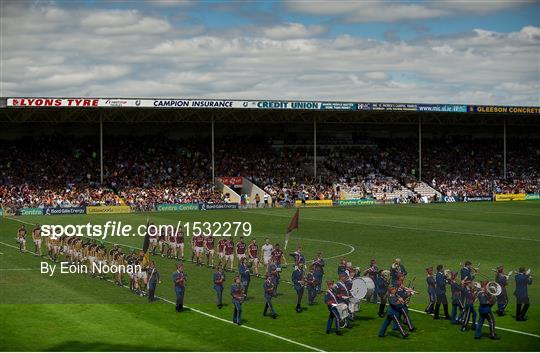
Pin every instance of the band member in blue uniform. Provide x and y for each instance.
(153, 280)
(318, 270)
(238, 296)
(371, 272)
(342, 267)
(486, 301)
(297, 279)
(245, 276)
(397, 271)
(470, 297)
(440, 291)
(343, 294)
(269, 292)
(430, 280)
(381, 287)
(219, 279)
(405, 294)
(298, 256)
(273, 272)
(523, 279)
(467, 271)
(179, 280)
(331, 301)
(393, 313)
(457, 295)
(311, 285)
(502, 299)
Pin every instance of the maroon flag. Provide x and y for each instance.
(292, 226)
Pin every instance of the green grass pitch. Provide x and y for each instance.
(77, 312)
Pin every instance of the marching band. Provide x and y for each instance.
(342, 297)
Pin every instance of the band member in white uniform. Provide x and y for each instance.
(267, 249)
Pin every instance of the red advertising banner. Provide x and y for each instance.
(236, 182)
(53, 102)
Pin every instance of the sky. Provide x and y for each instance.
(444, 51)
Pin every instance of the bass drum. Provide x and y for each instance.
(358, 289)
(362, 287)
(370, 286)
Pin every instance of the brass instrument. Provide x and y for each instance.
(527, 273)
(410, 290)
(507, 275)
(448, 274)
(494, 288)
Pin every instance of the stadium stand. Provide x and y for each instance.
(51, 171)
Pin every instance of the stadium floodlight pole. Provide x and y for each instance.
(420, 148)
(504, 147)
(101, 148)
(315, 147)
(213, 170)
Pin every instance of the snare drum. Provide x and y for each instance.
(343, 311)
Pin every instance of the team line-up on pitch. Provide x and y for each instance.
(119, 229)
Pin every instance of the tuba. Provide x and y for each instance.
(494, 288)
(386, 275)
(448, 274)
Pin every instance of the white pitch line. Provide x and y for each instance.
(16, 247)
(400, 227)
(352, 249)
(473, 211)
(232, 323)
(487, 325)
(271, 334)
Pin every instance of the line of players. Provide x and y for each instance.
(86, 251)
(171, 245)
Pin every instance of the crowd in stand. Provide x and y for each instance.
(284, 173)
(53, 171)
(462, 167)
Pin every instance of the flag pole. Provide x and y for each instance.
(293, 224)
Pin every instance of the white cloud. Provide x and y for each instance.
(293, 31)
(117, 53)
(394, 11)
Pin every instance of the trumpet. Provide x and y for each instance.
(507, 275)
(527, 273)
(409, 290)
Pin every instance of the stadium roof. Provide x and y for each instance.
(134, 110)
